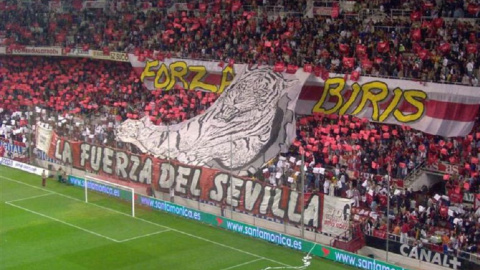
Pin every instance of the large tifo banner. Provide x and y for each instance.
(336, 215)
(200, 183)
(439, 109)
(250, 123)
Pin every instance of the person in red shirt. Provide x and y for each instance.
(2, 151)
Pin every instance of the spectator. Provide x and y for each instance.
(404, 233)
(132, 27)
(397, 230)
(59, 174)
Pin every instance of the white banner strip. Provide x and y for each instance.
(23, 166)
(336, 215)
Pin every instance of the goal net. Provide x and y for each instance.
(95, 189)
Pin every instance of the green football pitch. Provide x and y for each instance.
(53, 228)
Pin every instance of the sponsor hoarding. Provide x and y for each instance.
(22, 166)
(422, 254)
(112, 56)
(28, 50)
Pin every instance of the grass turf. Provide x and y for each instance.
(53, 228)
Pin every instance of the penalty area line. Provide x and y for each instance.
(156, 224)
(63, 222)
(145, 235)
(32, 197)
(242, 264)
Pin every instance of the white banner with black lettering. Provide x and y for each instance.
(336, 215)
(44, 137)
(29, 50)
(77, 52)
(111, 56)
(23, 166)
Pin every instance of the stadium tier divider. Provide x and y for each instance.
(221, 222)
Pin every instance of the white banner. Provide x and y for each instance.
(433, 108)
(3, 50)
(336, 215)
(113, 56)
(27, 50)
(44, 137)
(22, 166)
(94, 4)
(78, 52)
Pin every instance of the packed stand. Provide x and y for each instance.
(66, 93)
(330, 141)
(15, 134)
(433, 49)
(354, 158)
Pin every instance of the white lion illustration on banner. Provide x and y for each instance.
(250, 123)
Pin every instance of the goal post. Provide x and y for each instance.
(109, 189)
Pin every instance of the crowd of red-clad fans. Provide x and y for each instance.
(345, 156)
(68, 93)
(365, 161)
(432, 42)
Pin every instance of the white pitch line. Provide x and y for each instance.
(51, 193)
(141, 236)
(242, 264)
(63, 222)
(229, 247)
(156, 224)
(32, 197)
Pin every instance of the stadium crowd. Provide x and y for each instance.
(367, 162)
(430, 44)
(66, 93)
(340, 145)
(346, 156)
